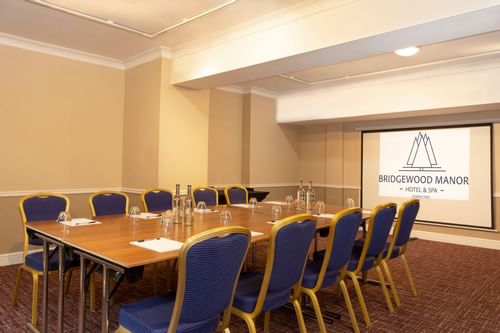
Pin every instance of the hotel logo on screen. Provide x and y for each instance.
(422, 157)
(409, 164)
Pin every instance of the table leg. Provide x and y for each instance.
(105, 302)
(254, 256)
(60, 301)
(45, 284)
(81, 309)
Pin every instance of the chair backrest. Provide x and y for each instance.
(379, 227)
(406, 218)
(156, 200)
(108, 203)
(209, 266)
(39, 207)
(236, 194)
(343, 229)
(289, 243)
(207, 194)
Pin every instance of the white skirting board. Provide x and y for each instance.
(455, 239)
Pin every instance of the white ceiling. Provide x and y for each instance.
(41, 23)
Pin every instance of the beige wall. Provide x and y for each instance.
(61, 128)
(183, 146)
(61, 123)
(225, 138)
(141, 125)
(273, 148)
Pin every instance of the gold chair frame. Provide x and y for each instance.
(376, 266)
(227, 188)
(311, 292)
(35, 274)
(402, 252)
(206, 188)
(294, 298)
(181, 285)
(155, 190)
(93, 195)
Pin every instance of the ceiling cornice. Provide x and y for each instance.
(59, 51)
(249, 90)
(147, 56)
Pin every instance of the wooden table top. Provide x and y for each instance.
(111, 239)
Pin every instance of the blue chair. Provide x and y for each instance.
(108, 203)
(368, 253)
(289, 244)
(329, 266)
(396, 248)
(39, 207)
(236, 194)
(156, 200)
(207, 194)
(209, 266)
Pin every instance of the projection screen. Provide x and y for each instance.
(447, 168)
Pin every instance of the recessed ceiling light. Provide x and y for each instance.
(407, 52)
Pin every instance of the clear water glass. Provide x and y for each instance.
(275, 213)
(299, 205)
(225, 216)
(166, 220)
(289, 200)
(320, 207)
(64, 217)
(133, 213)
(252, 203)
(349, 203)
(201, 206)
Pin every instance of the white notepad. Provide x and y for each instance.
(159, 244)
(205, 211)
(80, 222)
(146, 216)
(275, 203)
(256, 233)
(244, 206)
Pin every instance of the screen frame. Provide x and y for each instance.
(492, 225)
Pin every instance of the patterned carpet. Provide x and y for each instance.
(458, 286)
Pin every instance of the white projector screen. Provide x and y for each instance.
(447, 168)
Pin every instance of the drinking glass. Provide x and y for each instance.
(275, 213)
(166, 220)
(201, 207)
(289, 200)
(252, 203)
(133, 213)
(65, 217)
(225, 216)
(320, 207)
(299, 204)
(349, 203)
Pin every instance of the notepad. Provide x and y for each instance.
(256, 233)
(366, 211)
(146, 216)
(80, 222)
(275, 203)
(244, 206)
(159, 244)
(205, 211)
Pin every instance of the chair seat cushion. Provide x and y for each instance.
(356, 254)
(312, 270)
(153, 315)
(248, 290)
(35, 261)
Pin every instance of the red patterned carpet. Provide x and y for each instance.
(458, 286)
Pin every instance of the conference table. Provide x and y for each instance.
(107, 242)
